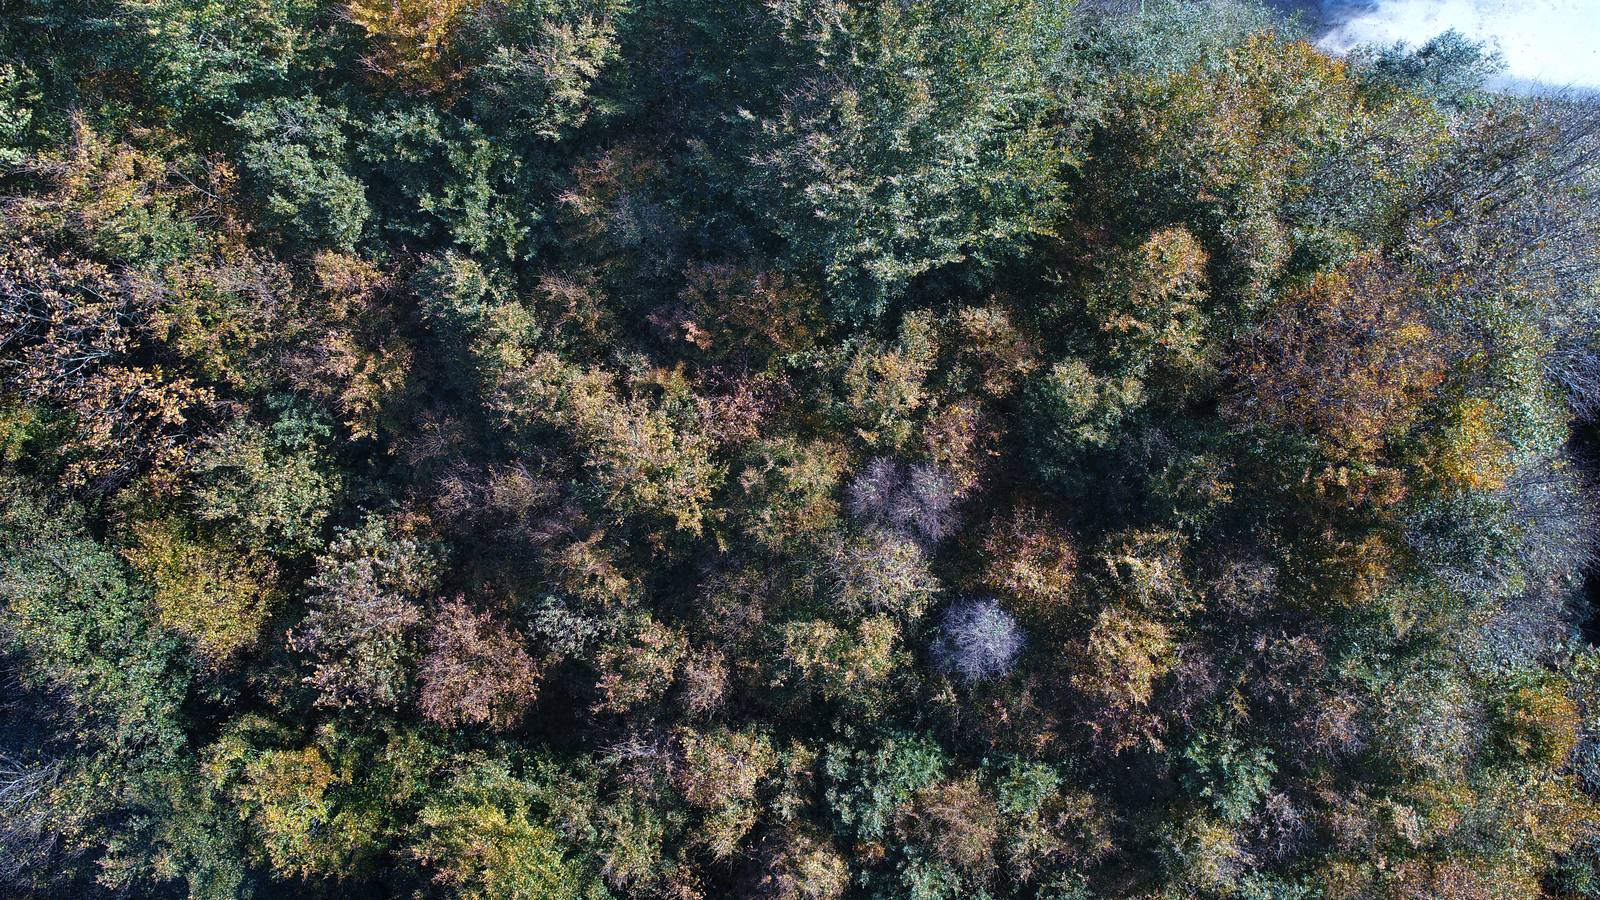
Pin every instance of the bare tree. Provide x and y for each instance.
(1510, 217)
(977, 640)
(26, 837)
(916, 501)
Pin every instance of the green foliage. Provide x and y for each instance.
(129, 808)
(71, 609)
(482, 836)
(1231, 774)
(210, 58)
(300, 802)
(538, 64)
(1169, 35)
(296, 155)
(1076, 410)
(271, 486)
(935, 114)
(455, 181)
(16, 113)
(866, 785)
(1449, 69)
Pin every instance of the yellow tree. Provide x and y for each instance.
(410, 39)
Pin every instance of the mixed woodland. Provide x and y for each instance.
(792, 449)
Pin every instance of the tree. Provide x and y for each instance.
(649, 459)
(803, 449)
(129, 800)
(1449, 69)
(455, 185)
(71, 608)
(352, 359)
(206, 61)
(411, 39)
(223, 319)
(956, 821)
(16, 113)
(1150, 308)
(1235, 776)
(914, 501)
(797, 865)
(880, 574)
(534, 65)
(791, 488)
(885, 384)
(476, 671)
(271, 485)
(1347, 359)
(25, 831)
(751, 311)
(1075, 411)
(1231, 140)
(977, 640)
(978, 150)
(840, 664)
(215, 595)
(287, 796)
(363, 609)
(70, 325)
(1031, 561)
(867, 784)
(295, 153)
(1047, 823)
(1534, 718)
(1125, 654)
(483, 836)
(719, 773)
(639, 671)
(1202, 854)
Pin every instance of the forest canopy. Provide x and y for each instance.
(800, 449)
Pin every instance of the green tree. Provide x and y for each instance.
(979, 135)
(483, 836)
(296, 154)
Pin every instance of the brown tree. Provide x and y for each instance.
(476, 671)
(956, 820)
(1346, 358)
